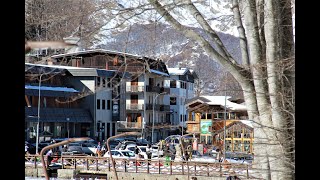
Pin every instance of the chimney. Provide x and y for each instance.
(179, 65)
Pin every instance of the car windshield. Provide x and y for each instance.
(128, 153)
(143, 149)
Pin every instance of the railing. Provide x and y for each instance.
(165, 108)
(150, 107)
(159, 166)
(134, 107)
(125, 125)
(133, 88)
(153, 89)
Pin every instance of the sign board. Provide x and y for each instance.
(204, 126)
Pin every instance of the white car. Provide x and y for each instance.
(120, 154)
(142, 150)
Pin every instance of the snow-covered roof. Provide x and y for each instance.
(57, 66)
(247, 122)
(159, 72)
(220, 100)
(94, 51)
(64, 89)
(177, 71)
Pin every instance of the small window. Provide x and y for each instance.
(108, 104)
(103, 104)
(98, 81)
(173, 101)
(98, 103)
(103, 82)
(173, 84)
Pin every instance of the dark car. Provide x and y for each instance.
(142, 142)
(75, 148)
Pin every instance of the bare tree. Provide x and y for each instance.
(258, 79)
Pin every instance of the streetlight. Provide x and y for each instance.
(68, 126)
(37, 138)
(154, 99)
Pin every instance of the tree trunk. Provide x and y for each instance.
(279, 169)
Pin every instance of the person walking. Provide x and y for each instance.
(99, 149)
(148, 152)
(172, 152)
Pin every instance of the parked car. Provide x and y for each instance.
(89, 148)
(120, 155)
(75, 148)
(142, 150)
(142, 142)
(239, 158)
(123, 145)
(207, 157)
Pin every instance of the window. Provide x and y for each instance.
(98, 103)
(173, 101)
(108, 104)
(103, 82)
(98, 81)
(173, 84)
(109, 82)
(103, 104)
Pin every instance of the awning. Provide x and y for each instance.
(47, 91)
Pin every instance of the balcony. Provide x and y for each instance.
(155, 89)
(124, 126)
(165, 108)
(134, 88)
(134, 106)
(150, 107)
(163, 89)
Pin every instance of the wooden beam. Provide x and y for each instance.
(27, 100)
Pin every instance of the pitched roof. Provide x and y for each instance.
(221, 101)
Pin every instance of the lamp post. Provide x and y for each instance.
(154, 99)
(37, 138)
(68, 126)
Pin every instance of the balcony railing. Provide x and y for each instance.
(165, 108)
(163, 89)
(155, 89)
(128, 125)
(134, 88)
(150, 107)
(134, 107)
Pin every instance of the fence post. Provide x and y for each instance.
(87, 160)
(220, 169)
(148, 170)
(75, 163)
(109, 164)
(62, 166)
(208, 169)
(159, 165)
(195, 168)
(182, 167)
(136, 165)
(188, 167)
(96, 164)
(35, 161)
(170, 167)
(125, 165)
(248, 171)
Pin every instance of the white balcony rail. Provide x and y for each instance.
(134, 106)
(124, 124)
